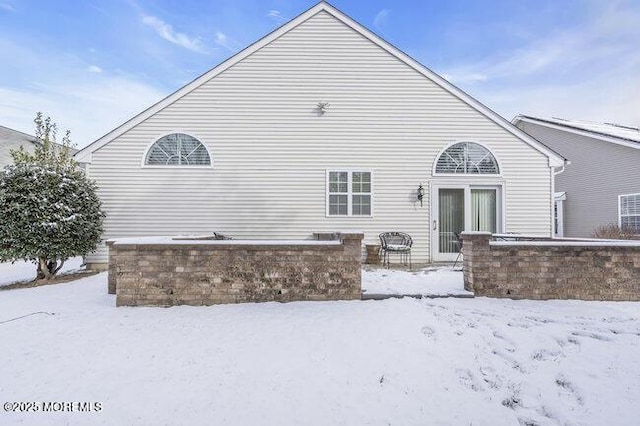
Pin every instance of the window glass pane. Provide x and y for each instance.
(338, 181)
(483, 210)
(157, 155)
(168, 144)
(188, 144)
(199, 156)
(178, 149)
(452, 160)
(337, 205)
(467, 158)
(173, 160)
(361, 205)
(631, 222)
(361, 182)
(451, 216)
(624, 205)
(630, 204)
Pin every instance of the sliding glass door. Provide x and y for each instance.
(465, 207)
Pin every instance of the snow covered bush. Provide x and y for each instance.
(49, 210)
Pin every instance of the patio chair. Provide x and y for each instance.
(396, 242)
(458, 245)
(219, 236)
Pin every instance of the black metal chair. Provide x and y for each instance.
(219, 236)
(396, 242)
(458, 245)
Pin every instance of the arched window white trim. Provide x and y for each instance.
(178, 149)
(464, 158)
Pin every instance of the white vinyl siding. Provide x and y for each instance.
(259, 120)
(630, 212)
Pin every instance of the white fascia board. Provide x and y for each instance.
(554, 159)
(587, 133)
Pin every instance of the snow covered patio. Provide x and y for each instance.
(400, 361)
(444, 281)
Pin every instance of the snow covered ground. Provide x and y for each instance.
(399, 361)
(440, 281)
(26, 271)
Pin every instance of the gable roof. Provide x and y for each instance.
(7, 134)
(555, 160)
(607, 132)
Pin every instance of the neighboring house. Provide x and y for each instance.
(11, 140)
(322, 126)
(602, 184)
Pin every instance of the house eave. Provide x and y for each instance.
(593, 135)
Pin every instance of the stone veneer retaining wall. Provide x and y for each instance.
(553, 269)
(191, 272)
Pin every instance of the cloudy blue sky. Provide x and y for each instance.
(91, 64)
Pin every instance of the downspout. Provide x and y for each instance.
(555, 171)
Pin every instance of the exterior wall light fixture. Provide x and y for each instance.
(420, 194)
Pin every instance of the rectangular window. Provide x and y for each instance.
(630, 212)
(349, 193)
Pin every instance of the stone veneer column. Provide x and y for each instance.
(112, 275)
(476, 262)
(352, 251)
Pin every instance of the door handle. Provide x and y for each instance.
(435, 225)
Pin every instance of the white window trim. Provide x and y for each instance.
(350, 192)
(637, 194)
(501, 214)
(176, 166)
(478, 175)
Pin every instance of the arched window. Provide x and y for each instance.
(467, 158)
(177, 149)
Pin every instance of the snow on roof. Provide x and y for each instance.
(627, 133)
